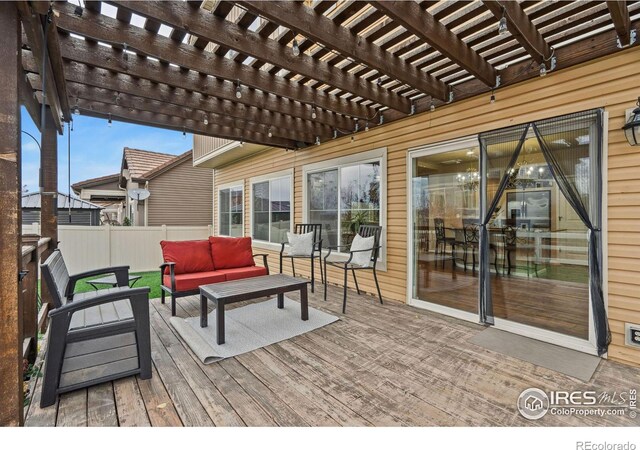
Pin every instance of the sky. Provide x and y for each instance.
(96, 148)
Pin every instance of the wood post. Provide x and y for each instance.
(11, 390)
(49, 183)
(29, 287)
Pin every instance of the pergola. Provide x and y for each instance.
(279, 74)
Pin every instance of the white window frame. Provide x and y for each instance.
(222, 187)
(289, 173)
(376, 155)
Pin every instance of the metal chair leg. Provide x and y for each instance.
(162, 294)
(293, 267)
(313, 277)
(325, 280)
(173, 305)
(280, 262)
(355, 281)
(344, 298)
(375, 278)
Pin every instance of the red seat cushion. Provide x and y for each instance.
(192, 281)
(229, 253)
(189, 256)
(242, 272)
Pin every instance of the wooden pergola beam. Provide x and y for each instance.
(315, 26)
(93, 76)
(246, 42)
(104, 29)
(35, 35)
(11, 384)
(159, 120)
(95, 94)
(422, 24)
(113, 60)
(521, 28)
(621, 20)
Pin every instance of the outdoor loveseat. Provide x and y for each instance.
(94, 336)
(191, 264)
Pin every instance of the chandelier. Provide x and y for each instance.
(469, 180)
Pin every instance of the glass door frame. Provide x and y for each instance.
(584, 345)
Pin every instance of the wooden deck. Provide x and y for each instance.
(383, 365)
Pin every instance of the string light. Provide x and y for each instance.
(295, 48)
(381, 119)
(205, 120)
(432, 107)
(379, 82)
(502, 25)
(314, 114)
(493, 97)
(241, 143)
(125, 53)
(109, 121)
(317, 140)
(184, 133)
(238, 91)
(76, 109)
(366, 126)
(270, 133)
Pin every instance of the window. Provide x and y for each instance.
(230, 208)
(271, 209)
(343, 198)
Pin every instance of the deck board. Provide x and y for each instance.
(381, 365)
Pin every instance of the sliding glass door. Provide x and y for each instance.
(445, 210)
(505, 228)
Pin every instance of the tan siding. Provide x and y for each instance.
(610, 83)
(181, 196)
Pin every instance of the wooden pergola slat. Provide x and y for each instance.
(428, 29)
(323, 30)
(250, 43)
(102, 29)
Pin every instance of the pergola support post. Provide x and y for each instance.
(11, 390)
(49, 193)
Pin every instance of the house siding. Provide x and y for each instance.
(183, 195)
(610, 83)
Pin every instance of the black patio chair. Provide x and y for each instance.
(442, 241)
(316, 252)
(94, 336)
(472, 241)
(346, 265)
(511, 244)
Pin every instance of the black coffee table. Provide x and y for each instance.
(249, 289)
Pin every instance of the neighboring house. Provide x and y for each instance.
(104, 191)
(181, 194)
(71, 211)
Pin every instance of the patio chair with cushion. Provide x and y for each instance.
(305, 250)
(363, 255)
(94, 336)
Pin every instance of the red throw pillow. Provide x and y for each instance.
(189, 256)
(229, 253)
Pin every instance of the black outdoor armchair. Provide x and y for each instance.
(316, 250)
(94, 336)
(347, 265)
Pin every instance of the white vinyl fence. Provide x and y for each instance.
(86, 248)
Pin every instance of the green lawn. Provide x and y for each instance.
(150, 279)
